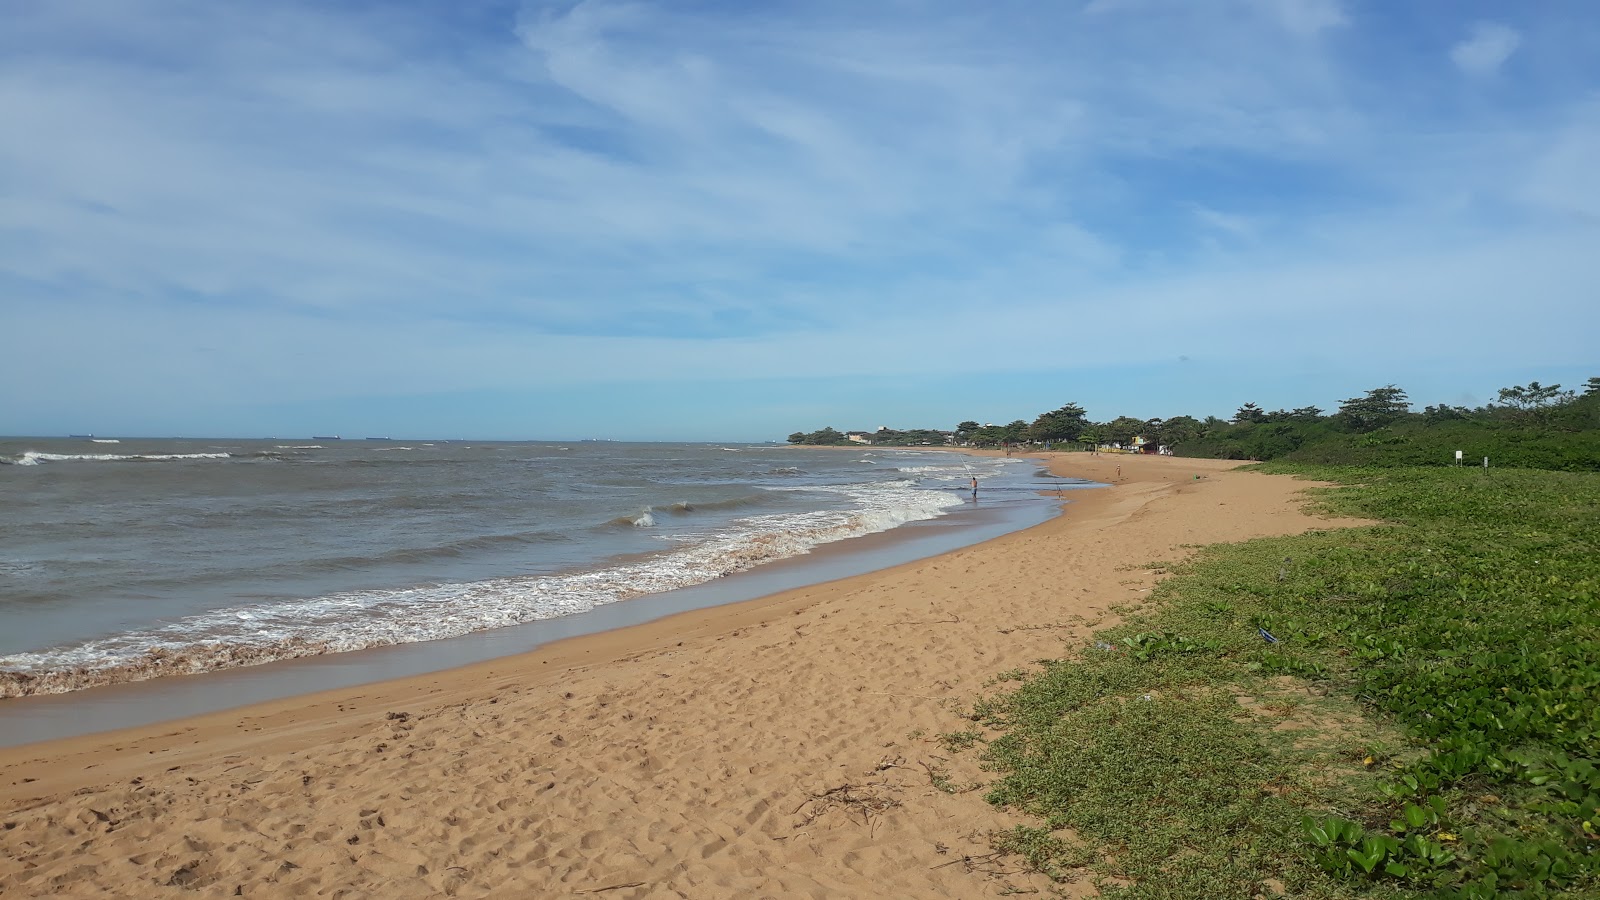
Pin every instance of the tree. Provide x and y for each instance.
(1533, 396)
(967, 427)
(1306, 414)
(1592, 388)
(1123, 429)
(1444, 412)
(1249, 413)
(1180, 429)
(987, 435)
(825, 436)
(1064, 424)
(1378, 408)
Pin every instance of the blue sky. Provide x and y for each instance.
(705, 220)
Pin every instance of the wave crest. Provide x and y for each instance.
(359, 620)
(35, 457)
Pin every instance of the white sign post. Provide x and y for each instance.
(1458, 457)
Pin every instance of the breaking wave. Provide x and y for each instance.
(646, 517)
(35, 457)
(356, 620)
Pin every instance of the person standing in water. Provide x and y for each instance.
(974, 487)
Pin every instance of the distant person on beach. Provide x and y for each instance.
(974, 487)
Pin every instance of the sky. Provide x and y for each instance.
(732, 221)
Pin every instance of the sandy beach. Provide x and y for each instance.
(776, 748)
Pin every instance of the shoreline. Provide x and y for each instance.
(136, 702)
(717, 752)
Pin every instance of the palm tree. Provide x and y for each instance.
(1094, 435)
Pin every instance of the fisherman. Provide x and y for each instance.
(974, 487)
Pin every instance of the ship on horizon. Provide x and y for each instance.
(326, 437)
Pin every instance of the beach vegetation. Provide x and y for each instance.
(827, 436)
(1528, 426)
(1123, 429)
(1063, 424)
(916, 437)
(1249, 413)
(1375, 409)
(1093, 435)
(1178, 430)
(940, 779)
(1531, 426)
(1401, 710)
(956, 741)
(1533, 397)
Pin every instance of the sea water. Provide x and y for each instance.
(123, 560)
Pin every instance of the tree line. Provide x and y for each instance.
(1532, 425)
(915, 437)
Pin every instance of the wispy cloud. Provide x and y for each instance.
(379, 200)
(1306, 16)
(1490, 45)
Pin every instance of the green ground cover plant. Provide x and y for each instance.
(1408, 709)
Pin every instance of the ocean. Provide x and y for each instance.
(126, 560)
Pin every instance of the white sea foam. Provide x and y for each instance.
(299, 446)
(35, 457)
(105, 440)
(361, 619)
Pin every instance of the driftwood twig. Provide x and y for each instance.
(611, 887)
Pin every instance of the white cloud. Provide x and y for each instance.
(1300, 17)
(1231, 224)
(1305, 17)
(593, 193)
(249, 165)
(1490, 45)
(1560, 179)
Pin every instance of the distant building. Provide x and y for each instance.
(859, 437)
(1141, 444)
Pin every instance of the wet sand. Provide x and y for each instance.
(778, 747)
